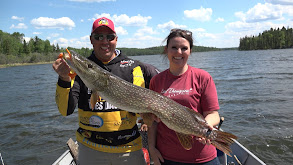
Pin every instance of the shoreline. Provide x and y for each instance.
(23, 64)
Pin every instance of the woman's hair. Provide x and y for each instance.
(180, 33)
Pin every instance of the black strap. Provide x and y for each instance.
(111, 138)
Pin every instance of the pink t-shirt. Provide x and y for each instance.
(194, 89)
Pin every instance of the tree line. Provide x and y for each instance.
(160, 50)
(269, 39)
(15, 49)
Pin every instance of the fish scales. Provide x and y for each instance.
(132, 98)
(139, 100)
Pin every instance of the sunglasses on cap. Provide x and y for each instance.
(187, 32)
(100, 37)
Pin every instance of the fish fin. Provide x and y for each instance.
(223, 141)
(148, 119)
(94, 98)
(185, 140)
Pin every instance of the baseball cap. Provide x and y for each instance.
(103, 22)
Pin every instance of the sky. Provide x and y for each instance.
(145, 23)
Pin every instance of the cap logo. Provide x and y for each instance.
(103, 22)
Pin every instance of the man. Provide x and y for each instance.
(106, 135)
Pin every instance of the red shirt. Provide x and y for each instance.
(194, 89)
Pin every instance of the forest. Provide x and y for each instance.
(269, 39)
(15, 49)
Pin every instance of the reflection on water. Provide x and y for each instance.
(255, 91)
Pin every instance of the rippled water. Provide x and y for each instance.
(255, 91)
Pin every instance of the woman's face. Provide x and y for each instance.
(178, 52)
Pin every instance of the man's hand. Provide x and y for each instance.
(62, 69)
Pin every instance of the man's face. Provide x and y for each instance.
(103, 48)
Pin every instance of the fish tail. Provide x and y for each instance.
(223, 141)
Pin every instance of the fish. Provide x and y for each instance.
(186, 122)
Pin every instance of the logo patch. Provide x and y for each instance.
(96, 121)
(127, 136)
(103, 22)
(86, 134)
(126, 63)
(171, 92)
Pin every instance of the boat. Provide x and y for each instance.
(240, 156)
(65, 159)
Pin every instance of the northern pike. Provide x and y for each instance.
(127, 96)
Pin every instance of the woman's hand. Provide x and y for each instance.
(212, 118)
(149, 118)
(156, 156)
(204, 140)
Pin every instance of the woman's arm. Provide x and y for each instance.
(154, 152)
(212, 117)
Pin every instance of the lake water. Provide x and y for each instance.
(255, 90)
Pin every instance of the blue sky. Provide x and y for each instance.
(145, 23)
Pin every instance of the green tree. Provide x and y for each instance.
(47, 47)
(57, 48)
(26, 49)
(269, 39)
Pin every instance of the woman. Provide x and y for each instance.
(191, 87)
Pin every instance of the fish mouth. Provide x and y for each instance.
(76, 60)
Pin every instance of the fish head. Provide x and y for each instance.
(90, 73)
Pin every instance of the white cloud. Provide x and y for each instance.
(18, 26)
(107, 15)
(131, 21)
(240, 26)
(62, 42)
(140, 42)
(85, 38)
(280, 2)
(145, 31)
(202, 14)
(287, 10)
(120, 31)
(220, 19)
(53, 35)
(198, 30)
(52, 23)
(37, 33)
(261, 12)
(27, 39)
(90, 1)
(170, 25)
(74, 42)
(125, 20)
(240, 15)
(17, 18)
(200, 36)
(259, 18)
